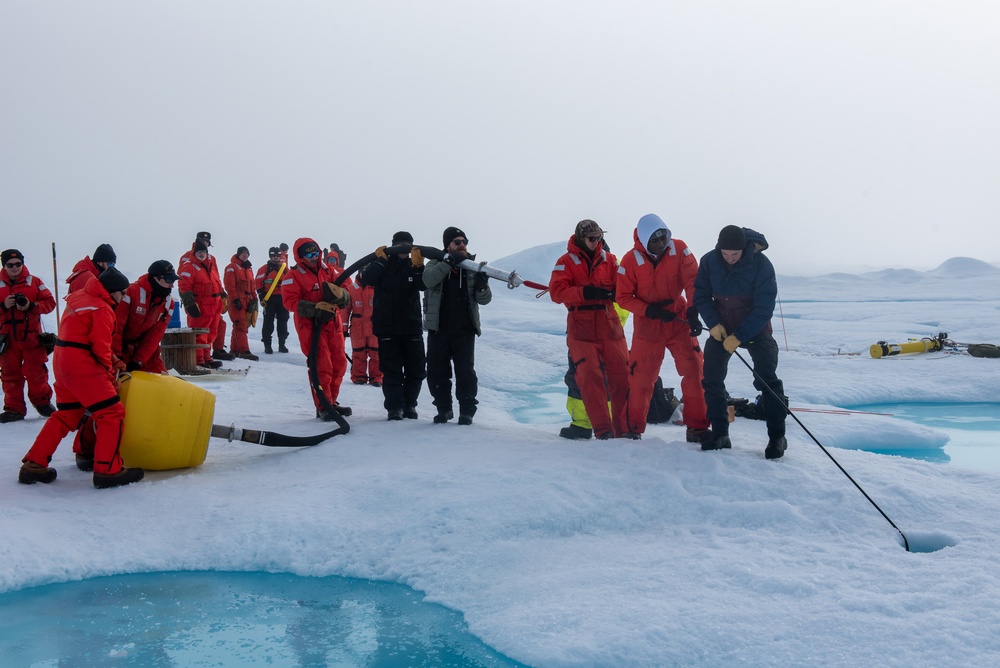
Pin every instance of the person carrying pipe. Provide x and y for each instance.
(308, 291)
(584, 280)
(396, 320)
(86, 370)
(654, 278)
(735, 293)
(451, 319)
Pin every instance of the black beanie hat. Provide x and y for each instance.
(273, 250)
(11, 253)
(732, 238)
(452, 233)
(163, 269)
(113, 280)
(242, 249)
(401, 237)
(105, 253)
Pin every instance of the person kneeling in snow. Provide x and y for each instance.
(86, 382)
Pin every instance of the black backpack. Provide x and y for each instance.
(662, 405)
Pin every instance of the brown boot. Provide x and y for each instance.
(124, 477)
(31, 473)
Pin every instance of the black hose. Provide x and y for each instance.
(788, 411)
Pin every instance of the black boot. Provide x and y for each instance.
(45, 410)
(85, 462)
(717, 442)
(465, 419)
(396, 414)
(10, 416)
(575, 433)
(268, 350)
(410, 412)
(776, 447)
(222, 355)
(443, 416)
(281, 347)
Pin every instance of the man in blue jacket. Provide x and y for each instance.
(735, 292)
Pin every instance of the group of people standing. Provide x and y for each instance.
(111, 326)
(732, 290)
(390, 302)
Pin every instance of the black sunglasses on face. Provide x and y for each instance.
(594, 240)
(14, 265)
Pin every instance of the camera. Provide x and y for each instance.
(20, 300)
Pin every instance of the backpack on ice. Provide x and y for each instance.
(984, 350)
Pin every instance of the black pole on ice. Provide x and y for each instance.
(906, 543)
(271, 438)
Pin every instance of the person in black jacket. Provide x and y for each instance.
(735, 292)
(396, 321)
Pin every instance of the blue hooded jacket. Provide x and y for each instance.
(741, 296)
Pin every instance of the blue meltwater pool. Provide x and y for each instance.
(233, 619)
(974, 429)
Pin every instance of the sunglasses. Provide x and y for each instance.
(460, 242)
(14, 265)
(594, 240)
(311, 255)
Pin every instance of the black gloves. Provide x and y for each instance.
(190, 305)
(657, 312)
(454, 258)
(261, 293)
(693, 321)
(594, 292)
(481, 282)
(238, 304)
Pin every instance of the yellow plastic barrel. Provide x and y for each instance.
(168, 422)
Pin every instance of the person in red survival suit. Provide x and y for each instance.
(202, 296)
(653, 280)
(302, 290)
(584, 280)
(239, 284)
(143, 315)
(219, 344)
(103, 258)
(86, 382)
(23, 301)
(364, 343)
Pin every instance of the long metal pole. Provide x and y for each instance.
(55, 284)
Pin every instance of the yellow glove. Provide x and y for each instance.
(416, 257)
(718, 332)
(380, 253)
(730, 344)
(225, 304)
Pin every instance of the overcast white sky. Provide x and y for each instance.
(854, 133)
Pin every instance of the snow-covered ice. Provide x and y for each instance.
(586, 553)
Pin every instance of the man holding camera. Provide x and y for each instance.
(23, 301)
